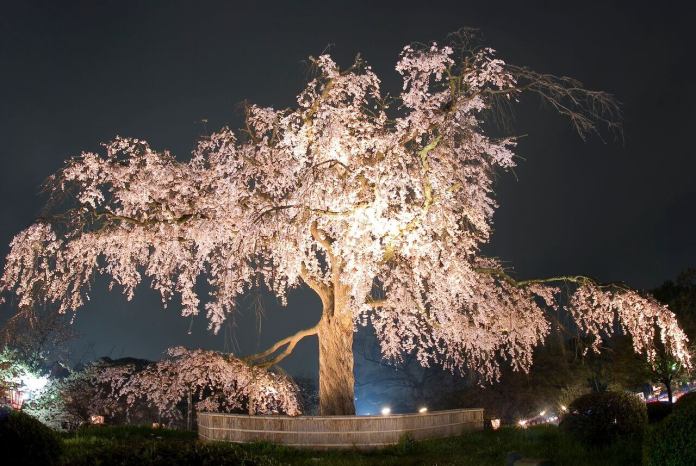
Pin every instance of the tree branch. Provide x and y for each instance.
(326, 212)
(376, 302)
(321, 238)
(577, 279)
(290, 343)
(318, 287)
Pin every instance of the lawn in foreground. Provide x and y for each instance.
(140, 445)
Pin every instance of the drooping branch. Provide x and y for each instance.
(576, 279)
(501, 274)
(585, 108)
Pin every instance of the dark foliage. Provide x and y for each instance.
(673, 441)
(27, 440)
(686, 401)
(658, 411)
(407, 445)
(164, 454)
(602, 418)
(116, 446)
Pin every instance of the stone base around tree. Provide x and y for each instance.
(337, 432)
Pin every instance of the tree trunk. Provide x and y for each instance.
(189, 412)
(336, 379)
(668, 384)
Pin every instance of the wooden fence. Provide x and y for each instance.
(325, 432)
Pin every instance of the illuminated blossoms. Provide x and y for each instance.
(216, 381)
(383, 207)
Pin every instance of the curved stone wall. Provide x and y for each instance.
(324, 432)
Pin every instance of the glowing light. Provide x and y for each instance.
(31, 385)
(542, 413)
(564, 408)
(386, 411)
(522, 423)
(423, 410)
(495, 424)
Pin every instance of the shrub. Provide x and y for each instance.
(673, 441)
(658, 411)
(601, 418)
(407, 445)
(685, 401)
(27, 439)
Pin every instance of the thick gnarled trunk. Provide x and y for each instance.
(336, 380)
(335, 334)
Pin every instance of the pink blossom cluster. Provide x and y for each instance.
(216, 382)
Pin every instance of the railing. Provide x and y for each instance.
(325, 432)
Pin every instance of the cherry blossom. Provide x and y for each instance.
(218, 382)
(381, 207)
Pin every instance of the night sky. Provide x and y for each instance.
(74, 74)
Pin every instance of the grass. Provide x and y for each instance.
(141, 445)
(129, 445)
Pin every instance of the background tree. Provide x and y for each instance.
(70, 401)
(19, 374)
(680, 296)
(39, 335)
(559, 375)
(380, 206)
(620, 366)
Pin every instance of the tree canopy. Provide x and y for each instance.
(381, 205)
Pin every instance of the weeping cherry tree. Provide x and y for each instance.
(379, 205)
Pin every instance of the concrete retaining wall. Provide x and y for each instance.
(324, 432)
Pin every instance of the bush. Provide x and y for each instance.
(602, 418)
(407, 445)
(27, 439)
(685, 401)
(673, 441)
(658, 411)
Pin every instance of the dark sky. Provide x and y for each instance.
(74, 74)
